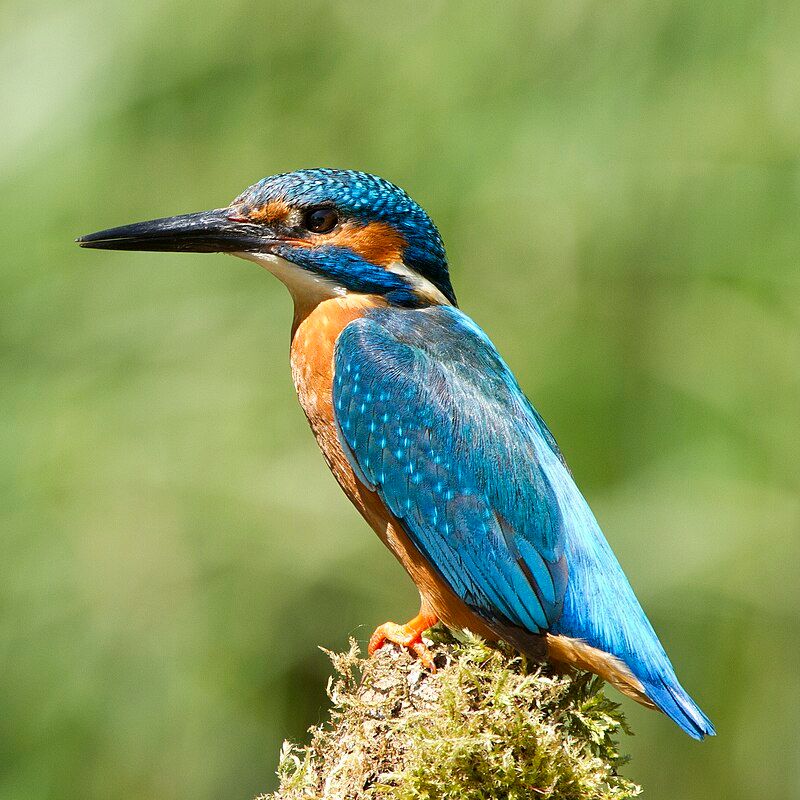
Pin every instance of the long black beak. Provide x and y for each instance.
(217, 231)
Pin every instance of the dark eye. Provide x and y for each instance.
(320, 220)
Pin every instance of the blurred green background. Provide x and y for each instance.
(618, 188)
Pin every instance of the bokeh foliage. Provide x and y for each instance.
(618, 188)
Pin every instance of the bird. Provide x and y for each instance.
(428, 432)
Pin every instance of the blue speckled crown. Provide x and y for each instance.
(368, 198)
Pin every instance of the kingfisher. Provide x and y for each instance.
(428, 432)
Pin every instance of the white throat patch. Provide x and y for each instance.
(307, 288)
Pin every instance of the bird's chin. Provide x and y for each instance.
(306, 287)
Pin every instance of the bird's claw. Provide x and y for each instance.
(403, 636)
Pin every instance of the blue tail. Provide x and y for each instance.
(678, 706)
(601, 609)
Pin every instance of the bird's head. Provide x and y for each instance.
(322, 231)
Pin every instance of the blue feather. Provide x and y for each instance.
(341, 265)
(433, 419)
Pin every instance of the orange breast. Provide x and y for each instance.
(312, 353)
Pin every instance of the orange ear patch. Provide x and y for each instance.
(273, 211)
(376, 242)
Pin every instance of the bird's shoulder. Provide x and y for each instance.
(441, 332)
(440, 352)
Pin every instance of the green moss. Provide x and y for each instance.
(485, 725)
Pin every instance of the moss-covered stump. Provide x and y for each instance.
(485, 725)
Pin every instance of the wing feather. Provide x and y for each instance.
(439, 428)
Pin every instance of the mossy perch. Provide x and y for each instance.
(485, 725)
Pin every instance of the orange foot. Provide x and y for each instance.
(408, 635)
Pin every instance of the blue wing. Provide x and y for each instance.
(439, 427)
(434, 421)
